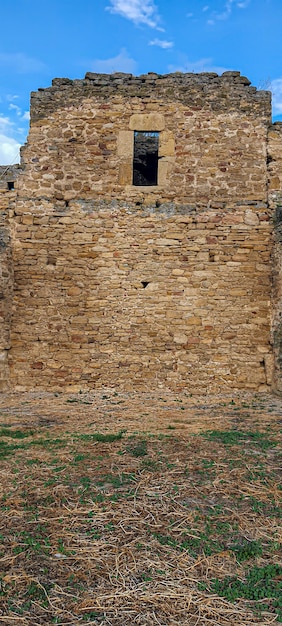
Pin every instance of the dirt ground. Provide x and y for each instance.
(154, 508)
(150, 412)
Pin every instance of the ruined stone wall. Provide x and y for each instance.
(8, 177)
(274, 159)
(164, 285)
(6, 286)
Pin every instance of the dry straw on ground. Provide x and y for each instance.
(126, 508)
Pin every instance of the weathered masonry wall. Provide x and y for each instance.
(275, 204)
(131, 286)
(8, 178)
(6, 286)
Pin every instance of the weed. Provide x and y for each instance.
(115, 480)
(90, 616)
(150, 465)
(264, 508)
(103, 438)
(33, 462)
(80, 457)
(261, 583)
(7, 450)
(239, 437)
(46, 443)
(36, 592)
(138, 448)
(246, 550)
(194, 545)
(63, 550)
(15, 434)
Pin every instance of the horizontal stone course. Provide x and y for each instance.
(100, 307)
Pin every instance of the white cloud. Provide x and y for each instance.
(161, 43)
(138, 11)
(189, 14)
(201, 65)
(5, 123)
(21, 63)
(18, 111)
(9, 147)
(10, 137)
(227, 10)
(276, 88)
(9, 150)
(10, 97)
(121, 63)
(14, 107)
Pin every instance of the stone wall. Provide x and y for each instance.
(8, 177)
(274, 159)
(6, 287)
(132, 286)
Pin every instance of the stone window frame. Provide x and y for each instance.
(146, 158)
(147, 122)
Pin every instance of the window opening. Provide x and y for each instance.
(11, 185)
(145, 159)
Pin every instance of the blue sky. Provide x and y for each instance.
(57, 38)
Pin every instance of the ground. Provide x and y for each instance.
(140, 508)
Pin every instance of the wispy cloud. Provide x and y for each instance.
(161, 43)
(121, 63)
(138, 11)
(14, 107)
(18, 111)
(276, 88)
(21, 63)
(201, 65)
(226, 11)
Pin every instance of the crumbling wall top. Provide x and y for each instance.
(230, 91)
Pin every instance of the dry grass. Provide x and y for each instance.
(140, 525)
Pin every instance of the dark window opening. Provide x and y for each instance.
(11, 185)
(145, 159)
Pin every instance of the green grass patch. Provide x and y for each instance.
(137, 448)
(15, 434)
(194, 545)
(246, 550)
(45, 443)
(7, 450)
(100, 437)
(240, 437)
(260, 584)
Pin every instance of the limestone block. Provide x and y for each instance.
(147, 121)
(125, 173)
(251, 218)
(125, 144)
(164, 170)
(180, 338)
(166, 144)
